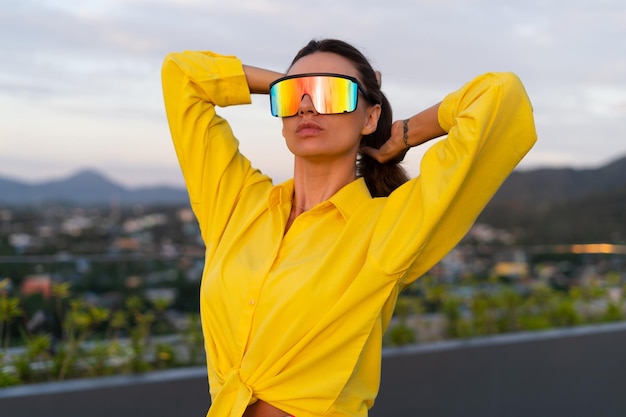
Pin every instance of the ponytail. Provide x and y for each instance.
(381, 179)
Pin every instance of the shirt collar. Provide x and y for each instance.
(280, 194)
(347, 200)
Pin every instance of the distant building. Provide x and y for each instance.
(37, 284)
(165, 294)
(126, 244)
(511, 269)
(20, 242)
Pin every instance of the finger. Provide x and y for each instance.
(372, 153)
(384, 154)
(402, 154)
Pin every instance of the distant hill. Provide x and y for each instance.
(559, 184)
(563, 205)
(86, 187)
(551, 205)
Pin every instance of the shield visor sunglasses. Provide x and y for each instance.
(330, 93)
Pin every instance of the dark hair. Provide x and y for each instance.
(381, 179)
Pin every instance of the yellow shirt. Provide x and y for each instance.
(297, 320)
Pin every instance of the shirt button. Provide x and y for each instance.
(251, 302)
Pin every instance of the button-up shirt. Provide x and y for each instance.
(297, 319)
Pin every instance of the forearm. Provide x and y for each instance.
(423, 126)
(259, 79)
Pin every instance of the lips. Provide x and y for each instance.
(308, 128)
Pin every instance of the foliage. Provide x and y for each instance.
(94, 340)
(481, 308)
(401, 334)
(91, 341)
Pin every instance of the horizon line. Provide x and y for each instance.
(105, 174)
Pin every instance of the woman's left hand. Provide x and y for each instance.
(393, 149)
(405, 134)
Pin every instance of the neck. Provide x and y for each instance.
(314, 183)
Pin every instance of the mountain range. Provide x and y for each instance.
(544, 205)
(562, 205)
(87, 187)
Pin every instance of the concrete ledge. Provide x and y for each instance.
(570, 372)
(176, 392)
(573, 372)
(504, 339)
(75, 385)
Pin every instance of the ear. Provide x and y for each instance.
(371, 119)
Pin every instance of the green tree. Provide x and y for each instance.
(9, 310)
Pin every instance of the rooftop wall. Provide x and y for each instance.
(570, 372)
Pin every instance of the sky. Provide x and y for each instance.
(80, 83)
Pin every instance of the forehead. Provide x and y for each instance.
(324, 62)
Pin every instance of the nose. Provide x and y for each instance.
(306, 105)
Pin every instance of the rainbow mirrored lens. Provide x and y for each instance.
(330, 94)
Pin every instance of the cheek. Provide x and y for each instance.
(287, 132)
(289, 126)
(357, 123)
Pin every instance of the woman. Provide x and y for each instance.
(301, 278)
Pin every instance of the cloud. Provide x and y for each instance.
(92, 67)
(606, 101)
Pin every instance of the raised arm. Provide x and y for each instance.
(490, 127)
(194, 83)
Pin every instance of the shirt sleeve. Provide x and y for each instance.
(214, 171)
(490, 128)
